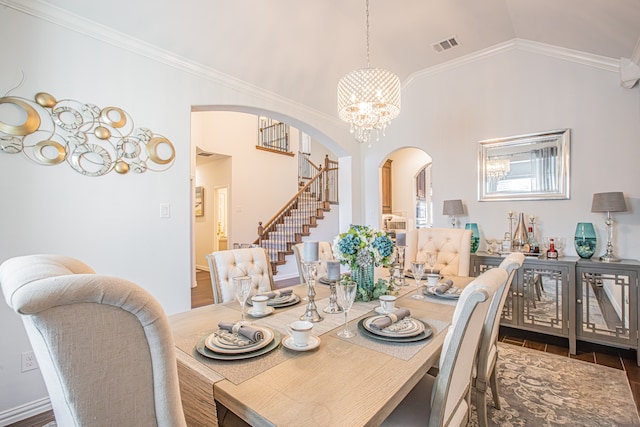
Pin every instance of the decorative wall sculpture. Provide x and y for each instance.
(93, 141)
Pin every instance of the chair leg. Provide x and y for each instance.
(493, 381)
(481, 403)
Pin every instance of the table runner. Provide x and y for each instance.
(238, 371)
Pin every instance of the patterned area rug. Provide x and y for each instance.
(542, 389)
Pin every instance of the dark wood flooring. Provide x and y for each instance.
(602, 355)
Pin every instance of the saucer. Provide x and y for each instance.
(379, 310)
(251, 313)
(314, 342)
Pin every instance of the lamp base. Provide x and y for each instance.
(609, 258)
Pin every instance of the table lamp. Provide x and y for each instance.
(453, 208)
(609, 202)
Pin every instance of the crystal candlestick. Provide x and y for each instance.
(399, 268)
(311, 313)
(333, 275)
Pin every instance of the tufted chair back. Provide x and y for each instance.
(104, 344)
(453, 246)
(325, 252)
(225, 265)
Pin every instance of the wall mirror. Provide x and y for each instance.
(526, 167)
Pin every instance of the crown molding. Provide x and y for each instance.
(576, 56)
(76, 23)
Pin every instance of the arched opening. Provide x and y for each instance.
(405, 190)
(254, 184)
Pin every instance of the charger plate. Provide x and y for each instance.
(280, 301)
(203, 350)
(428, 331)
(407, 327)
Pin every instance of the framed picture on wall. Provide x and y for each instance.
(199, 201)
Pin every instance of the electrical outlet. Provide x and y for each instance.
(29, 361)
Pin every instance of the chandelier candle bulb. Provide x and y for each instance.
(310, 253)
(333, 270)
(401, 239)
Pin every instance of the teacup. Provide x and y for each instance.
(300, 330)
(387, 303)
(259, 303)
(432, 279)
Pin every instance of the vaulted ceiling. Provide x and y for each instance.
(300, 49)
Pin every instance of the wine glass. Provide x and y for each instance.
(418, 270)
(242, 286)
(432, 258)
(346, 292)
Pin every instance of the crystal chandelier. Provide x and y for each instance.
(498, 168)
(368, 98)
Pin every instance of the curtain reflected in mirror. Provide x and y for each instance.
(527, 167)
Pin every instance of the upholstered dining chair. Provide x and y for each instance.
(485, 372)
(443, 400)
(104, 344)
(452, 246)
(325, 253)
(225, 265)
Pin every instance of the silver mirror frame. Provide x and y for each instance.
(524, 144)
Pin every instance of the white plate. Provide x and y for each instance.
(451, 293)
(251, 312)
(314, 342)
(214, 343)
(412, 327)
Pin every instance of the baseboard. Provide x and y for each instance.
(202, 267)
(25, 411)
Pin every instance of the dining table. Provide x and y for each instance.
(351, 382)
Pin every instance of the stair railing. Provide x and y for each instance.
(299, 214)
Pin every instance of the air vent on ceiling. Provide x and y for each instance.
(446, 44)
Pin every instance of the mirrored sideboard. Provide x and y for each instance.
(573, 298)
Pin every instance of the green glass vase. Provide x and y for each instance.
(585, 240)
(363, 276)
(475, 236)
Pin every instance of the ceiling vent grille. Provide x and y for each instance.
(446, 44)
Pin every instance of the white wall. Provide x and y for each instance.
(113, 222)
(210, 175)
(518, 92)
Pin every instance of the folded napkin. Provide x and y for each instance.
(276, 294)
(443, 287)
(247, 331)
(391, 318)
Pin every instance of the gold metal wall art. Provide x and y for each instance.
(91, 140)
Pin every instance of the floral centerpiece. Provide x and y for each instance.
(362, 248)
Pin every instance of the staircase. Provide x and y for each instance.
(300, 214)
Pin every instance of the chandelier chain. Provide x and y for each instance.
(367, 16)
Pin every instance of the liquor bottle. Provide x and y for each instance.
(520, 236)
(552, 253)
(534, 247)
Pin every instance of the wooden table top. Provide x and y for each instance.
(341, 383)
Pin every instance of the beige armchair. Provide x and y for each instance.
(325, 253)
(225, 265)
(104, 344)
(452, 245)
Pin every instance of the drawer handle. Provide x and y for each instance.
(579, 301)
